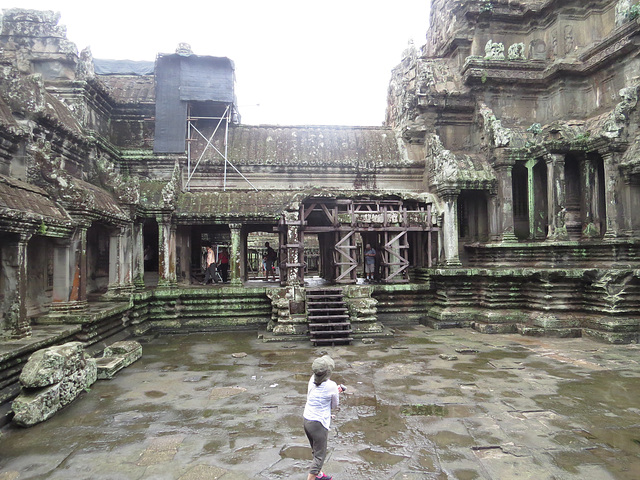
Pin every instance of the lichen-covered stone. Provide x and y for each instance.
(49, 366)
(52, 378)
(130, 351)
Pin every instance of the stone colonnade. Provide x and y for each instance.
(597, 210)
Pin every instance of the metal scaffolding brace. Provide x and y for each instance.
(191, 127)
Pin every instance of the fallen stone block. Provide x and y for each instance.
(35, 406)
(129, 350)
(49, 365)
(109, 366)
(65, 372)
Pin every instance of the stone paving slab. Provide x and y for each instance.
(506, 407)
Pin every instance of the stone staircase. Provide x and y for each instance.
(328, 317)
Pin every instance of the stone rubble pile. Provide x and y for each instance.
(52, 378)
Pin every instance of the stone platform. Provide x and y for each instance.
(423, 404)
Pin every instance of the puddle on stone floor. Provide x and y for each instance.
(297, 452)
(154, 394)
(379, 457)
(446, 410)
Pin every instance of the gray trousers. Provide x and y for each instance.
(317, 435)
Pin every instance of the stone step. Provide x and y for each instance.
(317, 318)
(332, 310)
(332, 340)
(332, 324)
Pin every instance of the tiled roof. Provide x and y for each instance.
(95, 199)
(19, 200)
(130, 89)
(322, 146)
(265, 205)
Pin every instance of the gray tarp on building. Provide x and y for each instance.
(179, 80)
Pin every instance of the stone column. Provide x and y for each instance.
(166, 251)
(493, 212)
(587, 184)
(292, 275)
(505, 195)
(114, 262)
(62, 273)
(138, 255)
(79, 290)
(235, 262)
(14, 271)
(556, 197)
(450, 227)
(613, 205)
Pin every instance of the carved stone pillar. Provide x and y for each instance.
(166, 251)
(493, 213)
(293, 254)
(235, 263)
(505, 194)
(588, 183)
(138, 255)
(556, 197)
(14, 272)
(120, 280)
(613, 204)
(450, 227)
(70, 273)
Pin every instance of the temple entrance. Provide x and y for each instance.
(344, 226)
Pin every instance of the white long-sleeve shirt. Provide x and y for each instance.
(320, 400)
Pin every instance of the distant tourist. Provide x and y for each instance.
(369, 262)
(210, 269)
(223, 264)
(269, 258)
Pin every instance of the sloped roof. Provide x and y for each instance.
(306, 146)
(130, 89)
(88, 197)
(23, 202)
(262, 205)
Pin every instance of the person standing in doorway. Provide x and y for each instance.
(223, 265)
(322, 397)
(210, 270)
(369, 262)
(270, 257)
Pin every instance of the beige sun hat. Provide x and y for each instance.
(322, 368)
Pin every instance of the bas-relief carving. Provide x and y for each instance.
(516, 52)
(569, 42)
(494, 51)
(538, 50)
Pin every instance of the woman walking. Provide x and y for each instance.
(322, 396)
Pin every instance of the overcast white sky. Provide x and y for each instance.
(313, 63)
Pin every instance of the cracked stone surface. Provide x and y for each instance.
(509, 407)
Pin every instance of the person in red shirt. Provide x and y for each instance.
(223, 264)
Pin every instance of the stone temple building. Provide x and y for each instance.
(502, 193)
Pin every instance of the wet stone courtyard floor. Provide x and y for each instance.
(423, 404)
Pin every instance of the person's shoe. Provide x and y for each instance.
(323, 477)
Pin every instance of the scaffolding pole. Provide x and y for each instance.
(226, 116)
